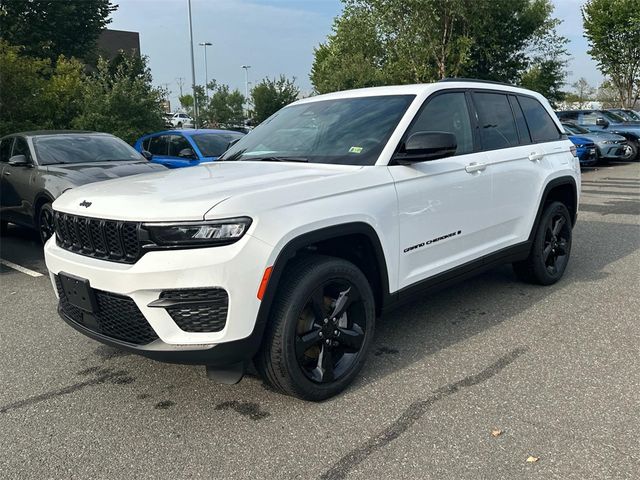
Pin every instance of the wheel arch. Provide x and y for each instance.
(563, 189)
(40, 199)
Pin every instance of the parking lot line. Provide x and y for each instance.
(19, 268)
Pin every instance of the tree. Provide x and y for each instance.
(269, 96)
(376, 42)
(582, 92)
(225, 107)
(122, 102)
(612, 28)
(50, 28)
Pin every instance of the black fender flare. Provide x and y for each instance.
(556, 182)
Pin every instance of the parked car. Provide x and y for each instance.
(180, 120)
(185, 148)
(605, 121)
(609, 146)
(585, 150)
(628, 115)
(285, 252)
(37, 167)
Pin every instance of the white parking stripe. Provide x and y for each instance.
(19, 268)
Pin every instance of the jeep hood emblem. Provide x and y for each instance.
(86, 204)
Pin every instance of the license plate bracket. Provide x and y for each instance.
(78, 292)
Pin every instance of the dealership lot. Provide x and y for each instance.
(554, 370)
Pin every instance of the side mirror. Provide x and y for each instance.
(19, 161)
(424, 146)
(602, 122)
(147, 154)
(187, 153)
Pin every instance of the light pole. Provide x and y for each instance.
(193, 70)
(246, 86)
(206, 69)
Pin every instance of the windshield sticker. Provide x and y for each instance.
(355, 150)
(433, 240)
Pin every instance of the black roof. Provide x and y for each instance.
(37, 133)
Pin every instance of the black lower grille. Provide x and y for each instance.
(117, 317)
(94, 237)
(198, 310)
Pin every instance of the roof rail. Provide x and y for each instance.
(474, 80)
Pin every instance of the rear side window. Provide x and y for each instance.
(497, 125)
(5, 149)
(447, 112)
(541, 126)
(159, 145)
(523, 130)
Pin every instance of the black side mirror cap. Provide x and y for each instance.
(147, 154)
(602, 122)
(19, 161)
(424, 146)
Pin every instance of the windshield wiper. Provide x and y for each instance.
(277, 159)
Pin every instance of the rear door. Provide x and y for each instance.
(444, 204)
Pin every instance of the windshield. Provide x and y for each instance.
(572, 128)
(612, 117)
(347, 131)
(214, 144)
(80, 148)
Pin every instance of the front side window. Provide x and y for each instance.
(588, 118)
(541, 125)
(20, 147)
(159, 145)
(497, 125)
(82, 148)
(347, 131)
(5, 149)
(177, 143)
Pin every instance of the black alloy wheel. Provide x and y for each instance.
(320, 328)
(46, 226)
(555, 253)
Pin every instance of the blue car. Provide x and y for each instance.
(185, 148)
(585, 150)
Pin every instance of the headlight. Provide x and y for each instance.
(581, 145)
(207, 233)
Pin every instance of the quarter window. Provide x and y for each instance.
(497, 125)
(541, 126)
(447, 113)
(159, 145)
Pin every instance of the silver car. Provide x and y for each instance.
(37, 167)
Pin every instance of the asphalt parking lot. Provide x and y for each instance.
(553, 372)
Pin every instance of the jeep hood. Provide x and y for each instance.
(189, 193)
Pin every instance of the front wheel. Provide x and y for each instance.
(320, 329)
(45, 222)
(551, 247)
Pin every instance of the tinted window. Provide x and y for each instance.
(447, 113)
(159, 145)
(177, 143)
(588, 118)
(80, 148)
(5, 149)
(568, 115)
(214, 144)
(523, 131)
(20, 147)
(541, 126)
(347, 131)
(497, 125)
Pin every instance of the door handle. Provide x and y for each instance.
(475, 167)
(7, 174)
(534, 157)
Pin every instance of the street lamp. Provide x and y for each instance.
(193, 70)
(246, 85)
(206, 69)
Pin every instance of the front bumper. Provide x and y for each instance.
(236, 268)
(613, 150)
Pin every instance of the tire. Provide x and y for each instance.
(551, 248)
(635, 152)
(179, 125)
(313, 349)
(45, 222)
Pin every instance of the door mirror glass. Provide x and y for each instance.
(19, 161)
(424, 146)
(147, 154)
(602, 122)
(187, 153)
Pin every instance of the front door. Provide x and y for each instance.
(444, 205)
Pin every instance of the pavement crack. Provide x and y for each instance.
(413, 413)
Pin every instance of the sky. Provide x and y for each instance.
(272, 36)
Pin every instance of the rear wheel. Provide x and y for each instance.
(551, 247)
(320, 329)
(45, 222)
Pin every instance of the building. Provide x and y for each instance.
(110, 42)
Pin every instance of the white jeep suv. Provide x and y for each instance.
(335, 209)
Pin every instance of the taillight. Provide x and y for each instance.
(574, 150)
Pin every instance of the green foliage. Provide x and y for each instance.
(270, 95)
(225, 107)
(612, 28)
(35, 95)
(377, 42)
(121, 101)
(50, 28)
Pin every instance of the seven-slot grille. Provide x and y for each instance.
(116, 317)
(94, 237)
